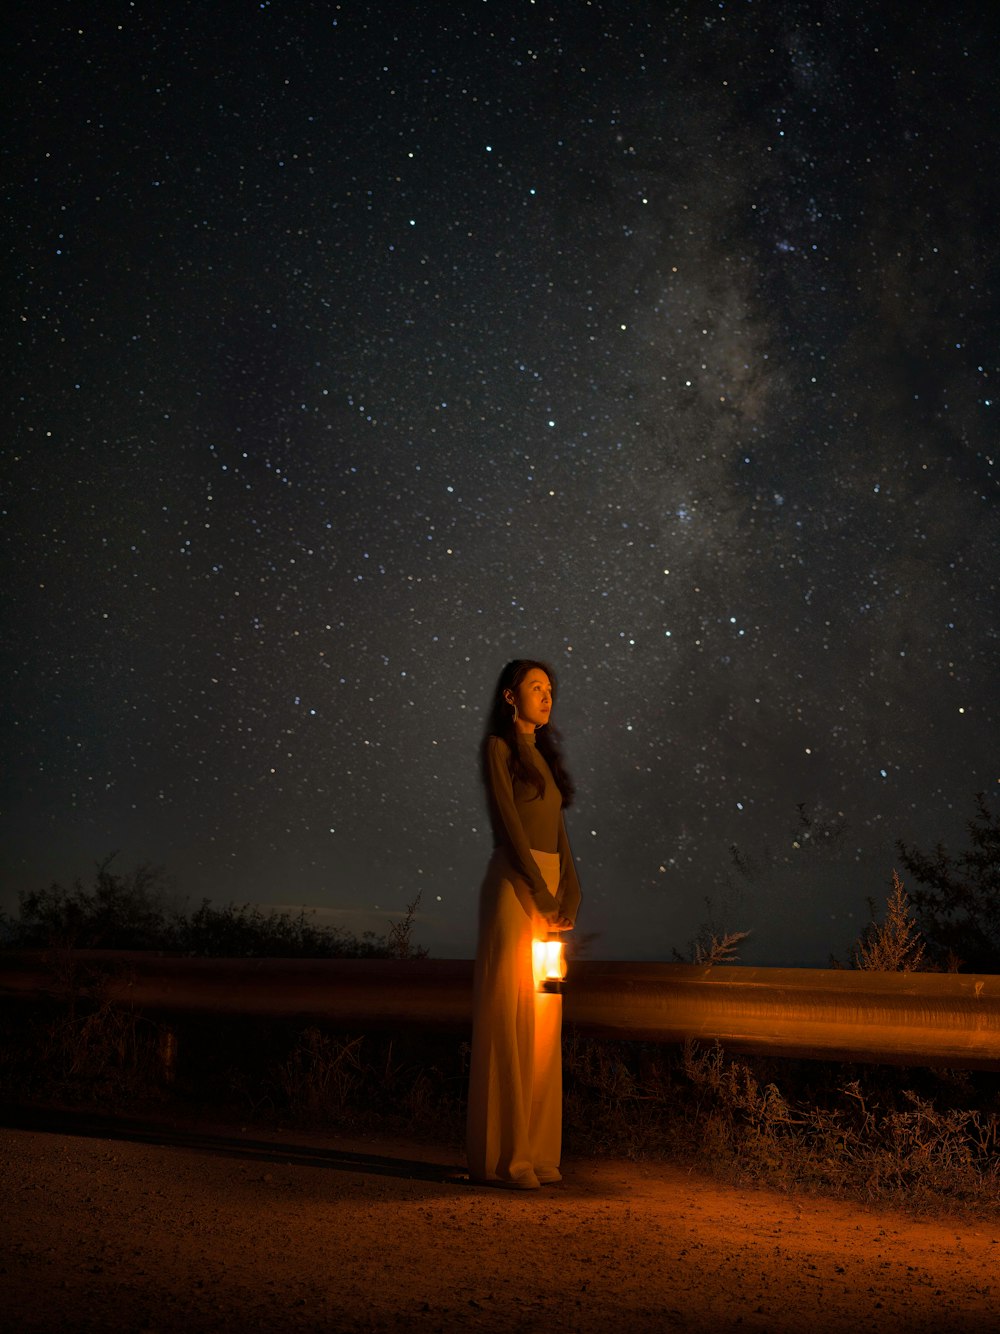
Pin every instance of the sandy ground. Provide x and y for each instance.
(117, 1228)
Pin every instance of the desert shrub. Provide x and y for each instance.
(322, 1074)
(958, 894)
(618, 1096)
(916, 1137)
(713, 942)
(131, 910)
(84, 1044)
(274, 1070)
(245, 932)
(402, 1082)
(874, 1136)
(124, 910)
(892, 944)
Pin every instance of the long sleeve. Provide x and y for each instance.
(508, 826)
(569, 884)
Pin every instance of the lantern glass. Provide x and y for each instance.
(549, 964)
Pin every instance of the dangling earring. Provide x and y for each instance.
(513, 704)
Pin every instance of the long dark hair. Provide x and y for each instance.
(500, 722)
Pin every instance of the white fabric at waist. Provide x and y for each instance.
(546, 860)
(548, 864)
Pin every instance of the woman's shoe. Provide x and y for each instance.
(526, 1181)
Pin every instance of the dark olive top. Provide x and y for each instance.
(523, 820)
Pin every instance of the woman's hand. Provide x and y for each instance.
(561, 923)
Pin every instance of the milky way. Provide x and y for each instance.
(358, 348)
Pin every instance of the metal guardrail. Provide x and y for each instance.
(945, 1019)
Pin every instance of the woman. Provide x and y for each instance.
(514, 1132)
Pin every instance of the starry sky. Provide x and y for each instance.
(356, 348)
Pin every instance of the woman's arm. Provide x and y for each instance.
(510, 827)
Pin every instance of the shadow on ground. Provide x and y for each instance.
(88, 1125)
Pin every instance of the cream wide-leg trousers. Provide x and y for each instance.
(514, 1127)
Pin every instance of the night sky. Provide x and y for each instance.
(355, 349)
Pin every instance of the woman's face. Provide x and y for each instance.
(533, 698)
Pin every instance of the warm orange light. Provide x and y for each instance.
(549, 964)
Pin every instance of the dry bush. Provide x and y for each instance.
(132, 910)
(322, 1074)
(399, 938)
(958, 894)
(85, 1044)
(720, 949)
(892, 945)
(879, 1140)
(612, 1101)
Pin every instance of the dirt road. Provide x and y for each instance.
(204, 1231)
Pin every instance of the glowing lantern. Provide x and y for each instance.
(549, 964)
